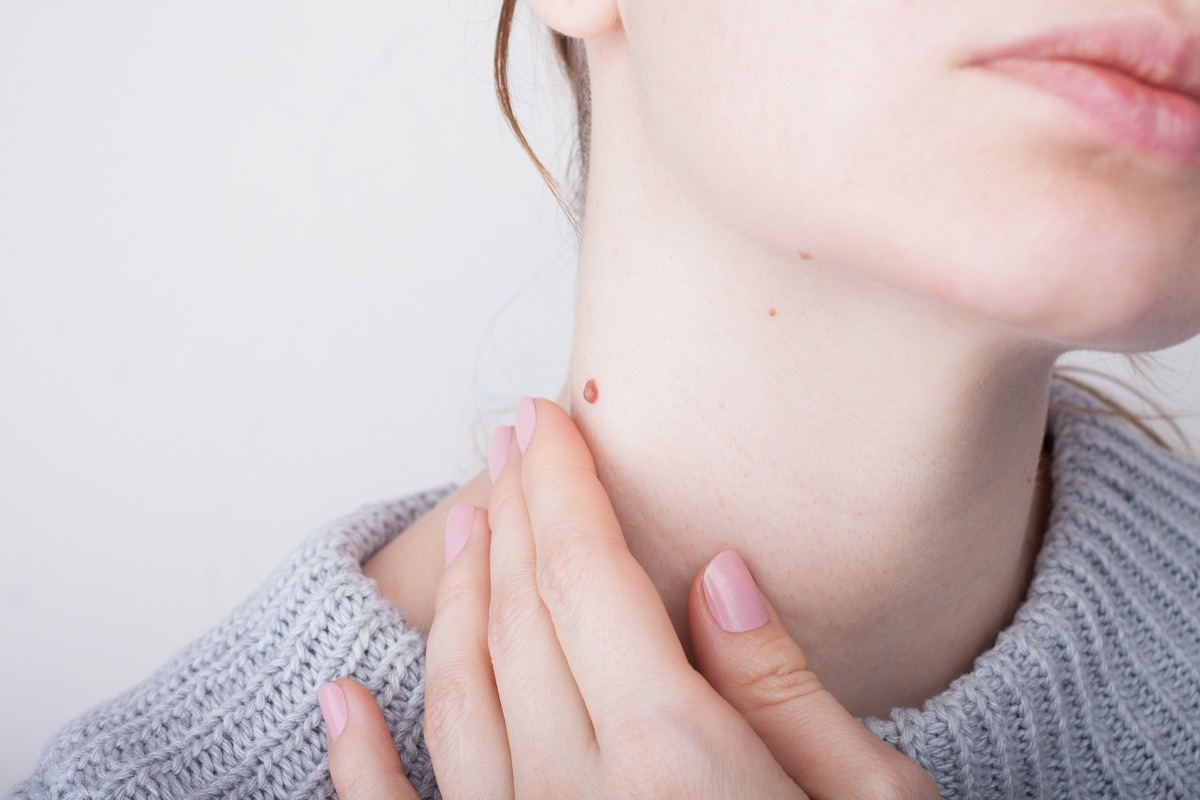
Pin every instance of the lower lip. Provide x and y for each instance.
(1121, 107)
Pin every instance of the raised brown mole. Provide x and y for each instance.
(771, 312)
(590, 393)
(804, 255)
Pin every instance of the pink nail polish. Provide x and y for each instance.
(732, 595)
(526, 416)
(333, 708)
(458, 529)
(498, 450)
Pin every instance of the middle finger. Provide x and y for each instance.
(547, 721)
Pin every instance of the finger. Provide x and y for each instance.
(607, 614)
(746, 654)
(363, 762)
(544, 714)
(464, 726)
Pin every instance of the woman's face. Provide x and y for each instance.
(852, 130)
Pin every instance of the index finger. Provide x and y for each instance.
(607, 614)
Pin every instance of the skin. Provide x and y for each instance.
(931, 237)
(521, 629)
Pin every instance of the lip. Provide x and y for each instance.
(1138, 80)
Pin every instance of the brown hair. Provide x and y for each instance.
(573, 62)
(1116, 409)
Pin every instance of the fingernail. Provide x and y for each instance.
(732, 595)
(458, 529)
(498, 451)
(333, 708)
(525, 419)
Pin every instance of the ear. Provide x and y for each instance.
(579, 19)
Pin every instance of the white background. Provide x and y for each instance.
(259, 264)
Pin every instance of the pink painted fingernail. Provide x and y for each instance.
(732, 595)
(526, 416)
(333, 708)
(458, 529)
(498, 450)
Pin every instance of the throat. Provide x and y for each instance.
(893, 580)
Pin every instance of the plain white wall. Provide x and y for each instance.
(261, 263)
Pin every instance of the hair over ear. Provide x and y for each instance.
(573, 61)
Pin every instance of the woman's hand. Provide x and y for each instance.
(552, 668)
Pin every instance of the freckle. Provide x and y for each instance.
(590, 393)
(722, 406)
(770, 312)
(803, 255)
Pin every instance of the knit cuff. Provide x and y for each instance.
(235, 713)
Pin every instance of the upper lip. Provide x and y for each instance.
(1146, 48)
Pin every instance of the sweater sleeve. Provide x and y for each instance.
(235, 714)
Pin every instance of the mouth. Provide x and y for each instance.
(1136, 82)
(1144, 48)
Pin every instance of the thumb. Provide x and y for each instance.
(363, 761)
(746, 654)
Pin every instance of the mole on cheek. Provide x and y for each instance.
(590, 393)
(770, 312)
(804, 256)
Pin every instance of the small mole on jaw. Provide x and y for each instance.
(771, 312)
(589, 391)
(804, 255)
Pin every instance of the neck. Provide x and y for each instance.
(872, 454)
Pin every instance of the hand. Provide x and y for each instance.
(553, 669)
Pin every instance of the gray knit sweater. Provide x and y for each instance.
(1092, 692)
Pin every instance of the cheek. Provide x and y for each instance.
(712, 78)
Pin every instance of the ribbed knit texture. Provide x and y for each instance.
(1092, 692)
(235, 714)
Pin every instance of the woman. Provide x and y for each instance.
(830, 254)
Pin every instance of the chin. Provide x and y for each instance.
(1111, 304)
(1078, 270)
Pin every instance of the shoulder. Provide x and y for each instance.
(406, 570)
